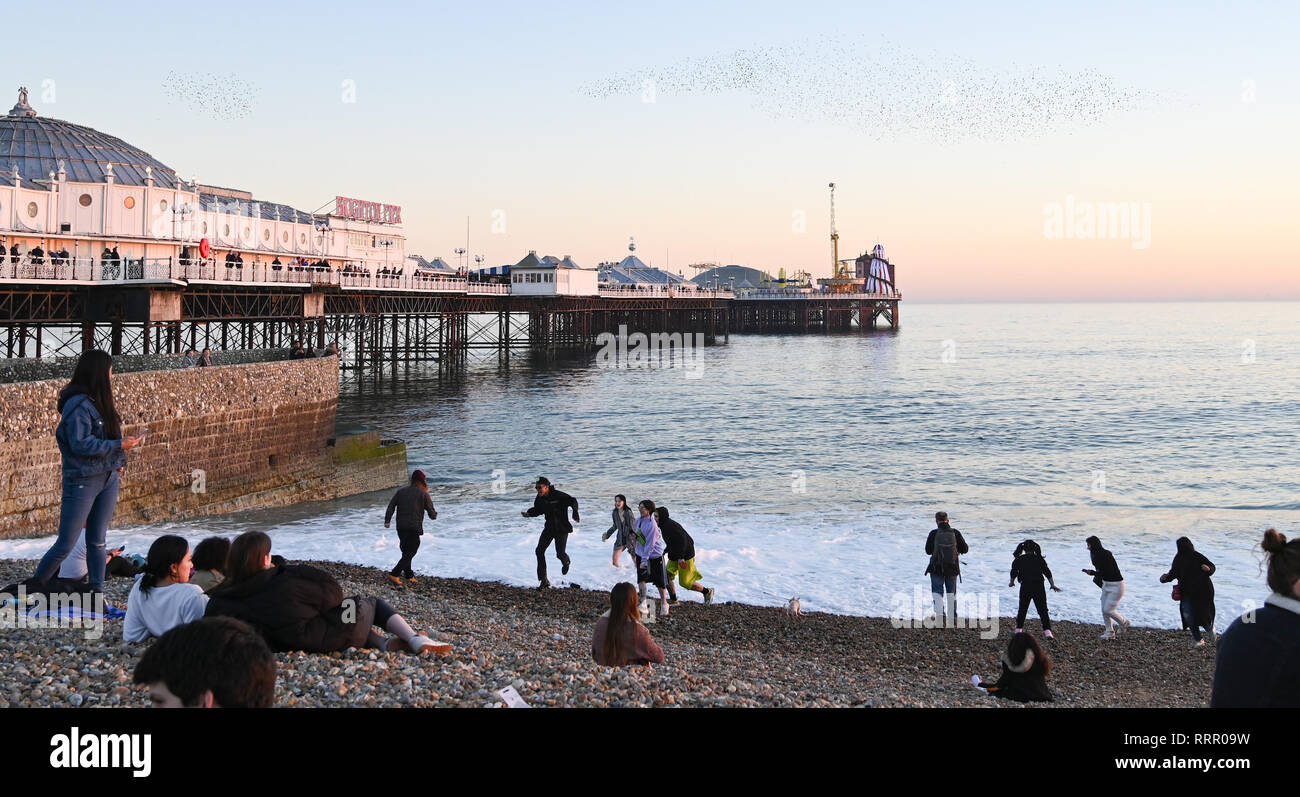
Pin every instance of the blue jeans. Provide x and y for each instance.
(87, 502)
(938, 584)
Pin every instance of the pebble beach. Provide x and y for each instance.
(726, 654)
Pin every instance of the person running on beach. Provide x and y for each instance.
(649, 555)
(1030, 567)
(944, 545)
(1195, 590)
(1257, 662)
(1024, 672)
(1107, 576)
(622, 526)
(555, 506)
(620, 638)
(679, 557)
(411, 503)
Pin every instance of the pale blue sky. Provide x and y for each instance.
(472, 109)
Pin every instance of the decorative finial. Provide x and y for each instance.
(22, 108)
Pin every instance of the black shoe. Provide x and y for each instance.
(672, 600)
(564, 571)
(544, 584)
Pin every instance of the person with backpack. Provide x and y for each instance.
(944, 545)
(1031, 568)
(1105, 574)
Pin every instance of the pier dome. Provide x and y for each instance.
(36, 145)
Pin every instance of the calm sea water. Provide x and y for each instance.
(812, 465)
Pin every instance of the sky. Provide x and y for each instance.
(975, 143)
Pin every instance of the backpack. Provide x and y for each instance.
(943, 561)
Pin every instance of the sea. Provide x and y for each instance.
(811, 465)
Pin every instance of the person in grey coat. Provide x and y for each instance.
(622, 527)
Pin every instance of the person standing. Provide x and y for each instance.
(554, 505)
(649, 554)
(1258, 658)
(679, 557)
(944, 545)
(1105, 574)
(94, 454)
(1031, 568)
(205, 361)
(621, 526)
(1195, 590)
(411, 503)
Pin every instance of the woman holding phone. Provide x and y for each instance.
(90, 439)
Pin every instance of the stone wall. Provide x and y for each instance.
(28, 369)
(220, 439)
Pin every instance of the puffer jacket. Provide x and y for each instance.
(87, 450)
(295, 607)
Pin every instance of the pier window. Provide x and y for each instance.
(129, 202)
(32, 209)
(84, 200)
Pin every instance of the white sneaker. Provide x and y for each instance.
(1200, 643)
(663, 608)
(1108, 635)
(421, 644)
(1048, 633)
(975, 682)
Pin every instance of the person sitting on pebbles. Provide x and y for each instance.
(1024, 672)
(213, 662)
(620, 638)
(299, 607)
(162, 597)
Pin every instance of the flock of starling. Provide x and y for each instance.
(209, 95)
(889, 93)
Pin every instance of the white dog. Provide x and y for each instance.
(792, 608)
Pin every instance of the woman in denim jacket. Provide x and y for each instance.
(94, 454)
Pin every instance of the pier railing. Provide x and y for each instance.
(798, 296)
(644, 291)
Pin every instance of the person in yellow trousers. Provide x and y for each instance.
(679, 557)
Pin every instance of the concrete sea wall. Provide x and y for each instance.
(221, 439)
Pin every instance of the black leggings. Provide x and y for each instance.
(1037, 594)
(383, 613)
(410, 544)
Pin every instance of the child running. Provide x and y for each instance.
(649, 555)
(680, 557)
(1030, 567)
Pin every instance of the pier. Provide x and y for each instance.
(161, 306)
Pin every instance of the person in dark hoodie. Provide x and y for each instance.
(1257, 662)
(679, 557)
(1196, 591)
(1025, 668)
(944, 545)
(555, 506)
(411, 503)
(90, 439)
(1105, 574)
(298, 607)
(1031, 568)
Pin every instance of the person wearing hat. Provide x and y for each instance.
(554, 505)
(411, 503)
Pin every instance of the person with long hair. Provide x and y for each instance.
(1195, 590)
(1031, 568)
(621, 526)
(90, 440)
(299, 607)
(1105, 574)
(210, 563)
(411, 503)
(162, 597)
(1258, 657)
(648, 552)
(620, 638)
(1025, 668)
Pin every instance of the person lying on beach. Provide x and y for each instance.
(1024, 672)
(210, 563)
(299, 607)
(620, 638)
(162, 597)
(213, 662)
(74, 568)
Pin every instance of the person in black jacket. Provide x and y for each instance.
(1258, 657)
(1025, 668)
(298, 607)
(1196, 590)
(944, 545)
(1031, 568)
(297, 352)
(555, 506)
(679, 557)
(1105, 574)
(411, 503)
